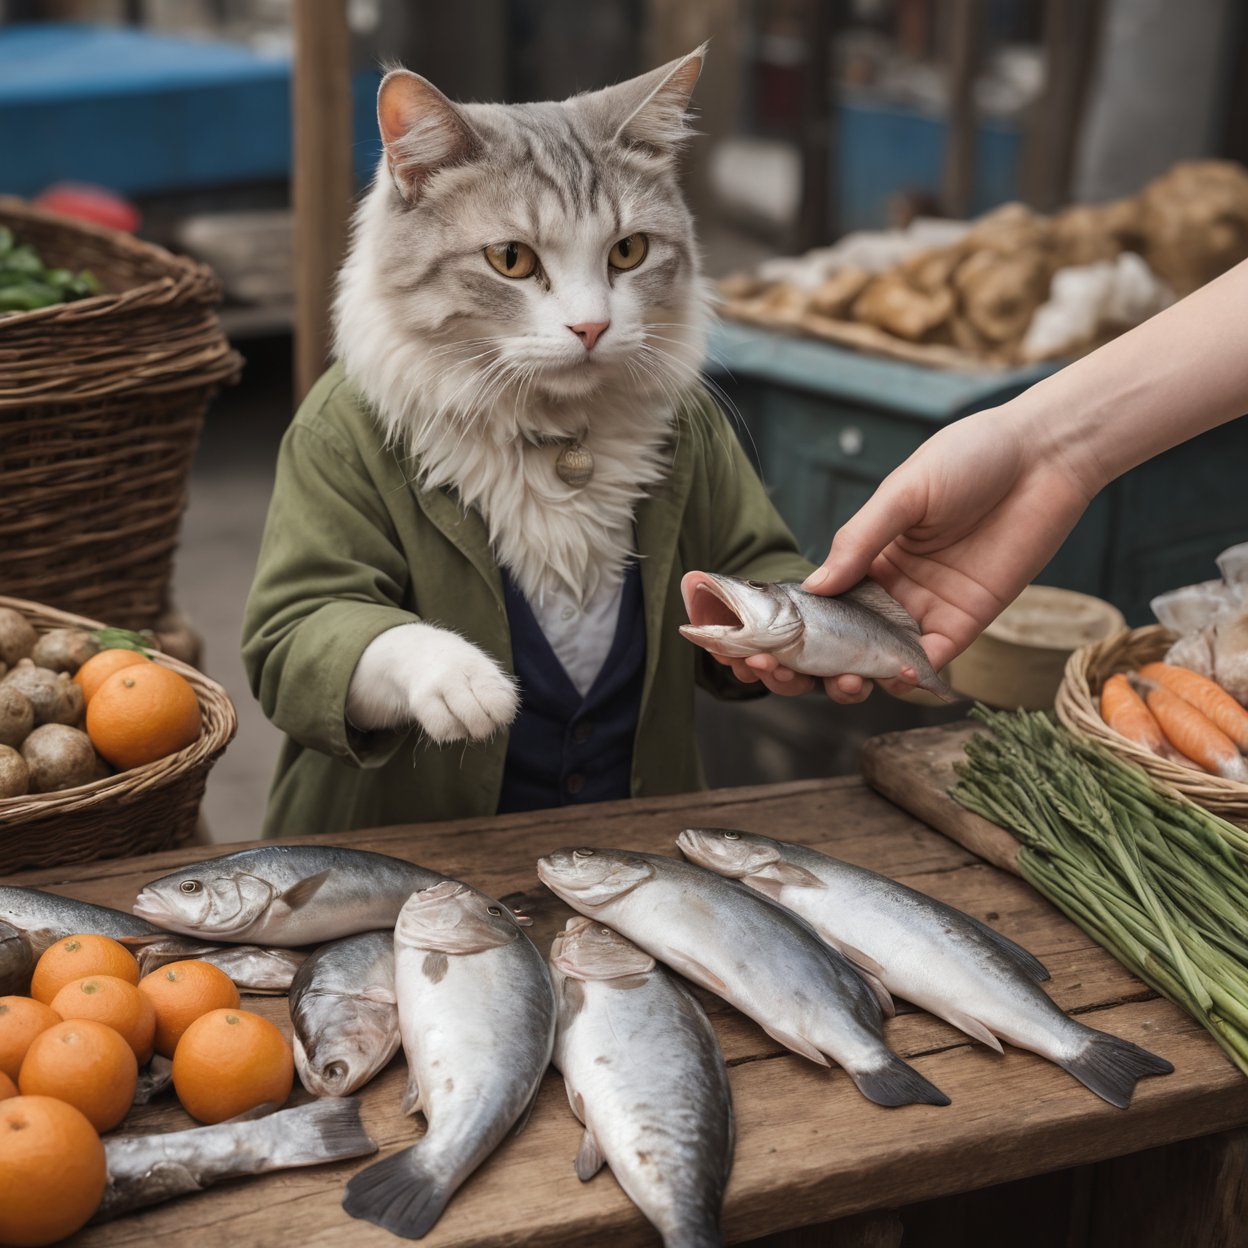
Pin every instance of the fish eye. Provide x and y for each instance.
(758, 584)
(190, 886)
(582, 853)
(512, 259)
(494, 910)
(732, 836)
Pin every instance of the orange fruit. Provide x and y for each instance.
(86, 1064)
(230, 1061)
(181, 992)
(21, 1020)
(116, 1004)
(140, 714)
(7, 1087)
(99, 667)
(78, 956)
(52, 1170)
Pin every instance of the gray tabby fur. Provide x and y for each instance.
(471, 372)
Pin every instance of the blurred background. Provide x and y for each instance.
(845, 146)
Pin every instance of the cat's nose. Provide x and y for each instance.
(589, 332)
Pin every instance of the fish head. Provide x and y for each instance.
(17, 961)
(592, 877)
(729, 852)
(344, 1042)
(450, 917)
(587, 949)
(205, 900)
(738, 618)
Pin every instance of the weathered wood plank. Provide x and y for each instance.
(810, 1148)
(915, 771)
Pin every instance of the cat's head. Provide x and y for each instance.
(518, 264)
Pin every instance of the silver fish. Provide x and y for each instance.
(930, 953)
(284, 894)
(17, 961)
(645, 1075)
(345, 1013)
(754, 954)
(44, 918)
(155, 1079)
(147, 1169)
(864, 631)
(477, 1013)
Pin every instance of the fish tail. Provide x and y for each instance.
(1110, 1066)
(944, 691)
(399, 1194)
(897, 1083)
(323, 1130)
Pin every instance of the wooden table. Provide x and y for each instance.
(810, 1148)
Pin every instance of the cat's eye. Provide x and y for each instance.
(512, 259)
(629, 252)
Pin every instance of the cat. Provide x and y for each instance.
(481, 374)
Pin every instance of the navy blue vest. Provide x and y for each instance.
(564, 748)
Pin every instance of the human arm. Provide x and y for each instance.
(957, 531)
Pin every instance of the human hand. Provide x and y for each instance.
(956, 532)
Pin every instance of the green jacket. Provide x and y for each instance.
(353, 546)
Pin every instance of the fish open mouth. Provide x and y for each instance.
(707, 609)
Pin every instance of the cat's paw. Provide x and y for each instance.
(433, 677)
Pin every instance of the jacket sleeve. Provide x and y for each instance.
(747, 536)
(330, 578)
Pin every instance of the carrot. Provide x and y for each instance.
(1206, 696)
(1196, 736)
(1126, 713)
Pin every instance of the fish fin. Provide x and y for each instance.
(577, 1101)
(399, 1194)
(971, 1026)
(1028, 963)
(327, 1129)
(1110, 1066)
(411, 1097)
(527, 1112)
(876, 598)
(765, 885)
(871, 977)
(798, 1045)
(301, 893)
(589, 1158)
(692, 969)
(944, 691)
(791, 873)
(628, 981)
(897, 1083)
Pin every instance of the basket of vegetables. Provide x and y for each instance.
(1181, 727)
(105, 744)
(110, 350)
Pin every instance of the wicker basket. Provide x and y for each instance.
(101, 405)
(134, 812)
(1078, 708)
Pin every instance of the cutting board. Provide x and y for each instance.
(915, 770)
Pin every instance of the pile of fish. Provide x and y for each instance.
(810, 947)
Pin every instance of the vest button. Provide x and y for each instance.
(582, 731)
(574, 783)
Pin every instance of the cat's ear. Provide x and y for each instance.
(650, 112)
(421, 129)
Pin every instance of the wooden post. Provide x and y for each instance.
(323, 178)
(959, 179)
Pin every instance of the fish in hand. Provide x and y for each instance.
(864, 632)
(644, 1074)
(284, 894)
(928, 952)
(755, 954)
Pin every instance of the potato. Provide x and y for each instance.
(55, 698)
(14, 774)
(17, 636)
(17, 716)
(59, 757)
(64, 649)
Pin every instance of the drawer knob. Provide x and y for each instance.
(850, 440)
